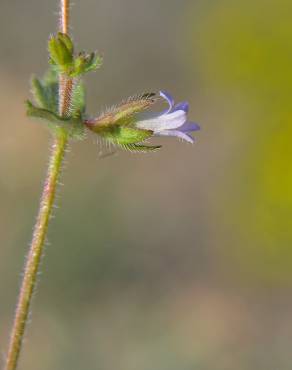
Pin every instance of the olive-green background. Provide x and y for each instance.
(178, 260)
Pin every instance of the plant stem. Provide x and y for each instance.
(65, 83)
(64, 15)
(40, 230)
(35, 253)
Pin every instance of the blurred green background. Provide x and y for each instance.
(175, 260)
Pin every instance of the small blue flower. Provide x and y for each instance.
(171, 122)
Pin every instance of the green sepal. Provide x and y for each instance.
(139, 148)
(128, 135)
(124, 135)
(123, 114)
(73, 126)
(61, 51)
(134, 105)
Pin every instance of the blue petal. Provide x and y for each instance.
(189, 127)
(176, 133)
(182, 106)
(165, 95)
(168, 121)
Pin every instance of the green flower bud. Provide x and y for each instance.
(67, 41)
(85, 63)
(61, 51)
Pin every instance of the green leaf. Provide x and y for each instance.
(45, 91)
(73, 126)
(45, 94)
(51, 76)
(39, 93)
(33, 111)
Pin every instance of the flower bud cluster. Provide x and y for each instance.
(62, 56)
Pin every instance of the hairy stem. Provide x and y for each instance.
(40, 230)
(65, 83)
(35, 253)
